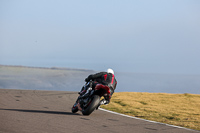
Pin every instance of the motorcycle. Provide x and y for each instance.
(90, 100)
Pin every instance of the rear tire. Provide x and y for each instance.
(93, 105)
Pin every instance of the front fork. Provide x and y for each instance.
(79, 106)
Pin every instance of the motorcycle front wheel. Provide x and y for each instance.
(92, 105)
(74, 108)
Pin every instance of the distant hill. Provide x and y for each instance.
(66, 79)
(39, 78)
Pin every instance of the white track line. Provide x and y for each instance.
(145, 119)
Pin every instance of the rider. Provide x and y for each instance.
(104, 78)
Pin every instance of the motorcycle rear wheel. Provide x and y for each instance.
(92, 106)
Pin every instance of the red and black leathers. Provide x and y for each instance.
(105, 79)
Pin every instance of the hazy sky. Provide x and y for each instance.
(142, 36)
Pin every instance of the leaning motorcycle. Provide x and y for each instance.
(90, 100)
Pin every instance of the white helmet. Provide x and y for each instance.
(109, 70)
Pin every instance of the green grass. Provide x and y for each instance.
(176, 109)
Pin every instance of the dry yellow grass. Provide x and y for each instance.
(176, 109)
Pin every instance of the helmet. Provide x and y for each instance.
(109, 70)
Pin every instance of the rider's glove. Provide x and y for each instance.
(87, 80)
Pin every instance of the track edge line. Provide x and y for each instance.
(146, 120)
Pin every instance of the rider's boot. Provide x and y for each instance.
(102, 102)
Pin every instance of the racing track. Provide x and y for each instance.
(30, 111)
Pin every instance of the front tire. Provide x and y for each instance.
(74, 109)
(93, 105)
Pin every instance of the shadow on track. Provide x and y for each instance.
(41, 111)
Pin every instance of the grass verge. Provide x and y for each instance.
(175, 109)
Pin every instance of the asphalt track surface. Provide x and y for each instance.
(31, 111)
